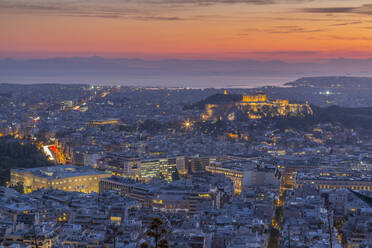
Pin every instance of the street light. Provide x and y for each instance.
(187, 124)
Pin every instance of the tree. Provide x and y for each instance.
(163, 243)
(18, 187)
(157, 231)
(175, 175)
(144, 245)
(114, 232)
(15, 153)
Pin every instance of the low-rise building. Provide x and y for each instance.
(66, 177)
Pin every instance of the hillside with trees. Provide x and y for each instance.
(18, 154)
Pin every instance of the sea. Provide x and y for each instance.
(194, 82)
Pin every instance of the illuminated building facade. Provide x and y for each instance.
(143, 170)
(209, 111)
(181, 165)
(259, 106)
(290, 166)
(335, 181)
(244, 175)
(195, 164)
(255, 98)
(162, 167)
(104, 122)
(181, 201)
(67, 178)
(236, 175)
(27, 240)
(152, 168)
(198, 164)
(169, 198)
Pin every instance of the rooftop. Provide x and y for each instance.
(61, 171)
(333, 177)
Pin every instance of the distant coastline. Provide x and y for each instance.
(194, 82)
(174, 72)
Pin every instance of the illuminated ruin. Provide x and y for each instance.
(257, 106)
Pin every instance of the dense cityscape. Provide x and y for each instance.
(119, 166)
(185, 124)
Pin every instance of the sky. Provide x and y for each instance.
(289, 30)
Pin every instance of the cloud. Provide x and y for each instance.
(361, 38)
(144, 10)
(121, 8)
(365, 9)
(204, 2)
(292, 29)
(329, 10)
(108, 9)
(159, 18)
(154, 10)
(72, 8)
(281, 30)
(345, 23)
(278, 53)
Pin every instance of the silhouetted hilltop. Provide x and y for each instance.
(332, 82)
(215, 99)
(356, 118)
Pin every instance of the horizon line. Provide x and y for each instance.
(292, 60)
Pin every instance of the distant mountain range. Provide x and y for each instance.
(333, 82)
(79, 69)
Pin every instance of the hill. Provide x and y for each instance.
(356, 118)
(333, 82)
(214, 99)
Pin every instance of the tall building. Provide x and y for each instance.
(197, 164)
(66, 177)
(162, 167)
(181, 165)
(135, 168)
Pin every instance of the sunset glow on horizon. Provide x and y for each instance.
(189, 29)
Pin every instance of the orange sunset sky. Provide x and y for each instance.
(202, 29)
